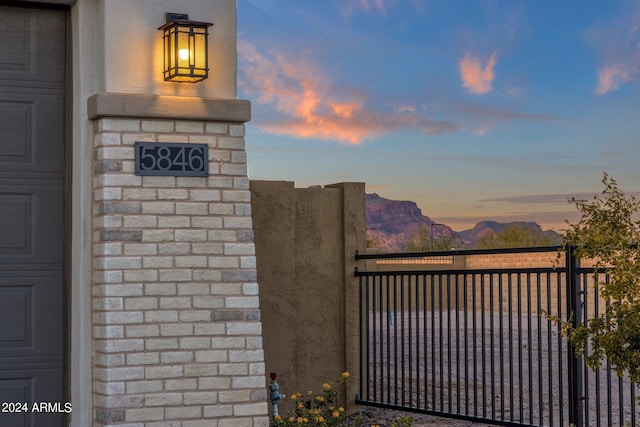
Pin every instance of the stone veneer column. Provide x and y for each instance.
(176, 321)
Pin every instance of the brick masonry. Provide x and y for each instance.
(177, 335)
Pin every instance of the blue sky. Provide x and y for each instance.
(476, 110)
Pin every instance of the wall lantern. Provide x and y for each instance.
(185, 48)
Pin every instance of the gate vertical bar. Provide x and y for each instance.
(574, 363)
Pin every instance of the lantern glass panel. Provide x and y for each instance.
(183, 53)
(185, 49)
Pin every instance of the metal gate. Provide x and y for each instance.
(477, 343)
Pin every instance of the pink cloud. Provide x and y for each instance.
(312, 108)
(345, 110)
(611, 77)
(476, 78)
(618, 44)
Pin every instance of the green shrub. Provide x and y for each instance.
(608, 232)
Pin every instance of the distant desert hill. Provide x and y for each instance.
(390, 223)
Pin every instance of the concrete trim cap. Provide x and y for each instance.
(129, 105)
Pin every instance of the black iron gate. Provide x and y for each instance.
(476, 343)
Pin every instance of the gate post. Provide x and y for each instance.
(574, 309)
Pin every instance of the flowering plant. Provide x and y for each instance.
(316, 410)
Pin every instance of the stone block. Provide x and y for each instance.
(217, 411)
(158, 208)
(233, 169)
(139, 194)
(189, 127)
(239, 276)
(217, 383)
(176, 329)
(175, 302)
(208, 356)
(144, 359)
(161, 316)
(200, 398)
(172, 194)
(144, 414)
(157, 126)
(118, 125)
(169, 371)
(161, 344)
(242, 302)
(106, 138)
(181, 384)
(217, 128)
(195, 316)
(244, 328)
(194, 208)
(173, 248)
(140, 221)
(250, 408)
(246, 356)
(193, 343)
(142, 331)
(183, 412)
(134, 387)
(231, 142)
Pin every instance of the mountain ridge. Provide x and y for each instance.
(391, 223)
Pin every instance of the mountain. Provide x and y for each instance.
(473, 236)
(391, 223)
(395, 217)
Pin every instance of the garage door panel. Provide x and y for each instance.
(28, 38)
(31, 133)
(31, 307)
(19, 386)
(16, 309)
(15, 220)
(15, 126)
(30, 226)
(15, 46)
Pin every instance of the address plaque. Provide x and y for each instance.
(171, 159)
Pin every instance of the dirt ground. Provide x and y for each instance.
(386, 418)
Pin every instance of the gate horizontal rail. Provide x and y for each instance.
(477, 344)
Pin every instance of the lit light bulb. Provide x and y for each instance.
(184, 54)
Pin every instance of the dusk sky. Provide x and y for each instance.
(476, 110)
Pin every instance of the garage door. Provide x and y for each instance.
(32, 77)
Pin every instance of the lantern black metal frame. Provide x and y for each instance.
(180, 33)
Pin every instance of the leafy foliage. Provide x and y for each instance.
(516, 236)
(608, 232)
(421, 241)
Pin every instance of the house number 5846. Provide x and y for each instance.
(164, 158)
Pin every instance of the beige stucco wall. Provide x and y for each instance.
(131, 58)
(305, 243)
